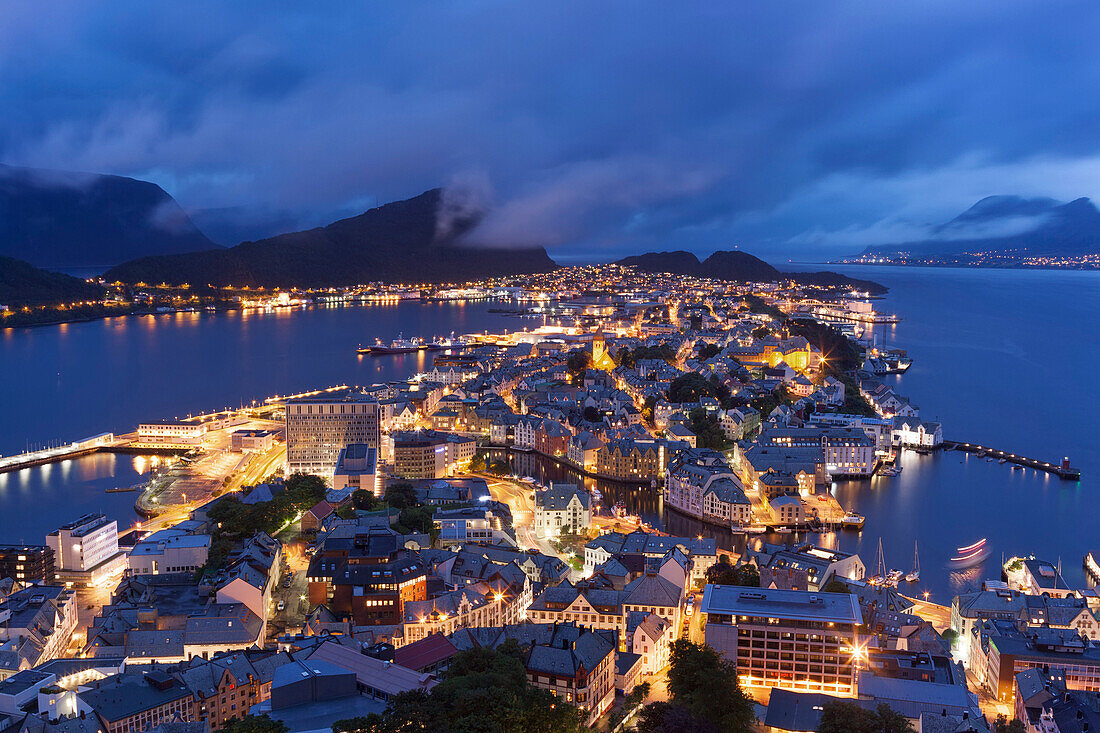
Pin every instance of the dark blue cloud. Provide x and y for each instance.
(785, 128)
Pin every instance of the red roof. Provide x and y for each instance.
(322, 509)
(424, 653)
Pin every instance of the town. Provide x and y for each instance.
(340, 558)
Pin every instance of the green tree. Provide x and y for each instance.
(358, 724)
(835, 586)
(665, 717)
(364, 500)
(723, 573)
(845, 716)
(255, 724)
(1004, 725)
(708, 431)
(708, 351)
(400, 496)
(483, 690)
(706, 686)
(479, 463)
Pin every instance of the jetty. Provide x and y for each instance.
(1062, 470)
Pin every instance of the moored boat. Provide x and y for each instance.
(853, 520)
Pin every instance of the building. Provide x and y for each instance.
(356, 468)
(168, 551)
(86, 550)
(574, 663)
(320, 426)
(27, 563)
(36, 625)
(475, 524)
(182, 435)
(702, 485)
(228, 686)
(133, 702)
(999, 650)
(819, 564)
(648, 637)
(794, 640)
(847, 451)
(912, 432)
(1045, 705)
(260, 441)
(499, 601)
(562, 507)
(420, 454)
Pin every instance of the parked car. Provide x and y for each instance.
(280, 606)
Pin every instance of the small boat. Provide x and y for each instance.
(619, 510)
(1017, 467)
(914, 575)
(1002, 460)
(852, 520)
(782, 530)
(756, 529)
(529, 480)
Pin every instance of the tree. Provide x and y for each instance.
(709, 351)
(1004, 725)
(845, 716)
(364, 500)
(479, 463)
(591, 414)
(705, 685)
(483, 690)
(358, 724)
(726, 574)
(708, 431)
(665, 717)
(577, 363)
(835, 586)
(500, 467)
(256, 724)
(401, 495)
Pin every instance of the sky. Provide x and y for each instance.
(802, 130)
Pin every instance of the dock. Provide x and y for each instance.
(1062, 470)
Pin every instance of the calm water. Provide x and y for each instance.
(1006, 358)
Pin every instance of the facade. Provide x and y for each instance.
(424, 454)
(135, 702)
(561, 507)
(27, 563)
(171, 435)
(1000, 650)
(847, 451)
(794, 640)
(86, 549)
(707, 489)
(319, 427)
(252, 440)
(912, 432)
(168, 551)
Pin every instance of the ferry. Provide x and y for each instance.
(397, 346)
(969, 556)
(852, 520)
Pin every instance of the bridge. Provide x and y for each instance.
(1062, 470)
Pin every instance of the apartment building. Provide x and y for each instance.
(27, 563)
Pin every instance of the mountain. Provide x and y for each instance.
(81, 220)
(1012, 225)
(21, 283)
(737, 265)
(416, 240)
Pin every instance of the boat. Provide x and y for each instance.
(619, 510)
(756, 529)
(397, 346)
(969, 556)
(1017, 467)
(782, 530)
(914, 575)
(852, 520)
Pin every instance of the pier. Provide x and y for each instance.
(1062, 470)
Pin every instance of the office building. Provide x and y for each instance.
(420, 454)
(320, 426)
(794, 640)
(356, 468)
(86, 550)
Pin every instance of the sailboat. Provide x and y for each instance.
(914, 575)
(880, 577)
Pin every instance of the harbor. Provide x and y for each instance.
(1062, 470)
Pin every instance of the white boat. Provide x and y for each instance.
(756, 529)
(853, 520)
(914, 575)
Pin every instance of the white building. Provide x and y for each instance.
(713, 493)
(86, 550)
(171, 435)
(169, 551)
(912, 432)
(562, 506)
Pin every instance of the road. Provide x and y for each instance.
(517, 495)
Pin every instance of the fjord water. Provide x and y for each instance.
(1002, 357)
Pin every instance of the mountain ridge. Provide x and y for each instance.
(64, 219)
(402, 241)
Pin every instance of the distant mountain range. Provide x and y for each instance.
(21, 283)
(71, 220)
(741, 266)
(404, 241)
(1033, 227)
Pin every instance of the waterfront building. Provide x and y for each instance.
(356, 468)
(806, 464)
(629, 459)
(794, 640)
(820, 564)
(86, 550)
(584, 449)
(562, 507)
(847, 451)
(320, 426)
(912, 432)
(27, 563)
(178, 435)
(701, 484)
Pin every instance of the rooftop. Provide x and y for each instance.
(782, 604)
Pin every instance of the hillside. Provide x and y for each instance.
(1037, 227)
(21, 283)
(396, 242)
(61, 219)
(741, 266)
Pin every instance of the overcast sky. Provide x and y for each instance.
(788, 129)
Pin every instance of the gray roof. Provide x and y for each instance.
(782, 604)
(558, 496)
